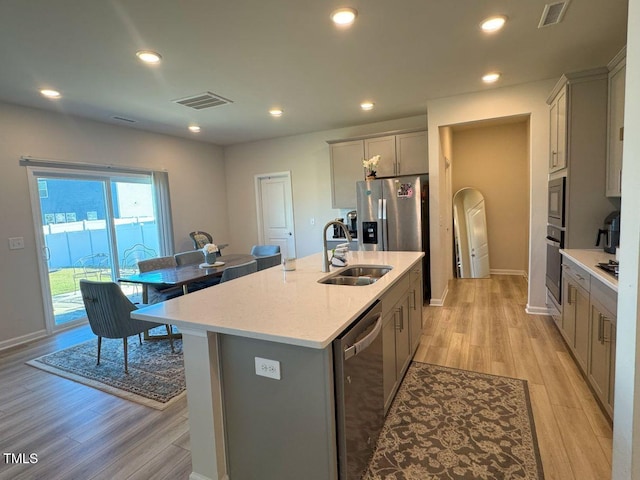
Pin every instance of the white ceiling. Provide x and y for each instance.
(287, 53)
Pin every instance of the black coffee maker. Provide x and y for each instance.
(611, 232)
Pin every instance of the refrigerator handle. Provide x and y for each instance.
(385, 230)
(380, 209)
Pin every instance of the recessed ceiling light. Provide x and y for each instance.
(276, 112)
(194, 128)
(366, 105)
(493, 24)
(148, 56)
(344, 16)
(46, 92)
(491, 77)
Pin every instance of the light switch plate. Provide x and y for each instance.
(16, 243)
(268, 368)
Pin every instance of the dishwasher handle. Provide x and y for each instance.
(362, 345)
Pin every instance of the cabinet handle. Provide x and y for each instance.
(621, 133)
(570, 288)
(398, 169)
(599, 328)
(606, 339)
(397, 320)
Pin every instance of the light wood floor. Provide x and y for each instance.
(81, 433)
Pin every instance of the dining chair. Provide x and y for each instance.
(109, 314)
(159, 294)
(191, 257)
(266, 255)
(237, 271)
(200, 239)
(195, 257)
(264, 250)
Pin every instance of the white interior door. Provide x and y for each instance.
(478, 242)
(275, 212)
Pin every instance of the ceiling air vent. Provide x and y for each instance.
(203, 100)
(553, 13)
(123, 119)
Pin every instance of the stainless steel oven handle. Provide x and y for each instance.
(362, 345)
(553, 242)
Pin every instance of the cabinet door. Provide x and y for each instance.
(558, 133)
(615, 131)
(388, 357)
(346, 170)
(415, 309)
(403, 345)
(599, 364)
(411, 153)
(568, 329)
(386, 148)
(581, 305)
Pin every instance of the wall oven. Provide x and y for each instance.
(555, 237)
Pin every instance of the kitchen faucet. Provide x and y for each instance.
(325, 253)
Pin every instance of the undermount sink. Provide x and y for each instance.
(356, 275)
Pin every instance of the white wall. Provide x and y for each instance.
(196, 178)
(307, 157)
(528, 99)
(626, 422)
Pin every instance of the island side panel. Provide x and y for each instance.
(204, 400)
(278, 429)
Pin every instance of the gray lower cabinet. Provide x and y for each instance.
(575, 311)
(401, 330)
(415, 308)
(601, 366)
(588, 325)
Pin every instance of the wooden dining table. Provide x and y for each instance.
(184, 275)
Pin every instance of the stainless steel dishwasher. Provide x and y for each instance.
(357, 357)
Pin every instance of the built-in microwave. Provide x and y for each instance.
(556, 202)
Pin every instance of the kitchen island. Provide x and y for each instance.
(284, 426)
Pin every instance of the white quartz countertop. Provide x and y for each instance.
(588, 259)
(286, 307)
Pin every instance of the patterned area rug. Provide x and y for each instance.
(447, 423)
(155, 379)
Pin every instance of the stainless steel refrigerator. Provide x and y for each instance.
(393, 214)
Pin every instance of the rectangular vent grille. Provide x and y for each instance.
(203, 100)
(553, 13)
(123, 119)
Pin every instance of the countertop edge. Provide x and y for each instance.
(588, 259)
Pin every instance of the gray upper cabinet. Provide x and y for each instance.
(400, 154)
(403, 154)
(386, 148)
(615, 124)
(558, 132)
(346, 170)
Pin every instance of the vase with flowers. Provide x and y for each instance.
(370, 166)
(211, 252)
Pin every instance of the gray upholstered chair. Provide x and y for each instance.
(108, 311)
(239, 271)
(192, 257)
(264, 250)
(159, 294)
(266, 255)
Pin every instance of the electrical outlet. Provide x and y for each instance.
(268, 368)
(16, 243)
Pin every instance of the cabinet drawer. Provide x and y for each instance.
(605, 295)
(393, 296)
(579, 275)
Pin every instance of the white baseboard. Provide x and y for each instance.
(531, 310)
(14, 342)
(439, 302)
(520, 273)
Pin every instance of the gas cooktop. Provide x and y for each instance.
(610, 267)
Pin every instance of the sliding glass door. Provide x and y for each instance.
(92, 225)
